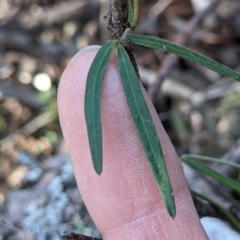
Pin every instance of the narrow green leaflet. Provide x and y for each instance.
(210, 159)
(93, 102)
(166, 46)
(234, 185)
(130, 12)
(145, 128)
(133, 12)
(221, 209)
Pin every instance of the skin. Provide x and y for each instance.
(124, 201)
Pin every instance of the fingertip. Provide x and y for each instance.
(88, 48)
(72, 84)
(125, 191)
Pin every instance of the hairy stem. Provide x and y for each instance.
(117, 22)
(117, 18)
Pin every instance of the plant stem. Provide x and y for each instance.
(117, 22)
(127, 44)
(117, 18)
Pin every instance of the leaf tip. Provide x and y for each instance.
(172, 212)
(171, 208)
(98, 168)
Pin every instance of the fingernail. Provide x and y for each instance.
(86, 49)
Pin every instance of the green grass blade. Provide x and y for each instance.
(234, 185)
(145, 128)
(224, 211)
(93, 102)
(215, 160)
(166, 46)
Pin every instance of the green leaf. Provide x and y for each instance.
(145, 128)
(224, 211)
(130, 12)
(183, 52)
(193, 162)
(215, 160)
(93, 102)
(133, 12)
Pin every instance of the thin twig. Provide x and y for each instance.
(68, 235)
(31, 127)
(233, 156)
(53, 14)
(181, 39)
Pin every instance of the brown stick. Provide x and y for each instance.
(55, 14)
(74, 236)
